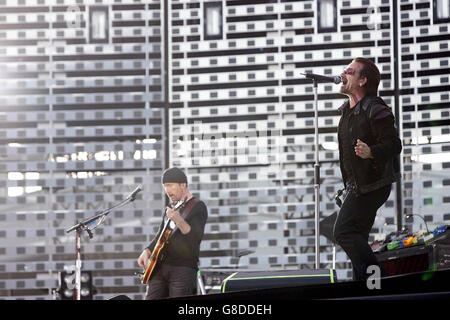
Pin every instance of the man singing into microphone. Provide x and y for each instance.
(369, 150)
(175, 274)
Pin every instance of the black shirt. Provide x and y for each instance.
(348, 146)
(184, 250)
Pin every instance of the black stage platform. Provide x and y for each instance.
(420, 285)
(399, 295)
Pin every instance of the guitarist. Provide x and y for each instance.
(175, 273)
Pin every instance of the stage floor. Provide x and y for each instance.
(421, 285)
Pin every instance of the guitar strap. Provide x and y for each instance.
(186, 211)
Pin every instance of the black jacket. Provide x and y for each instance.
(372, 122)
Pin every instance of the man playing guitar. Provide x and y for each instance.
(171, 260)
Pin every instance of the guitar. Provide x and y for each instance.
(162, 240)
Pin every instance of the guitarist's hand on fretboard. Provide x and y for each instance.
(173, 214)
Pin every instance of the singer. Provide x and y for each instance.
(369, 150)
(175, 273)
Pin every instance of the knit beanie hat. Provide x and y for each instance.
(174, 175)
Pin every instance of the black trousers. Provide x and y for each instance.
(171, 281)
(353, 225)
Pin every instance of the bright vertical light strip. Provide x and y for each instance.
(213, 21)
(326, 14)
(443, 9)
(99, 25)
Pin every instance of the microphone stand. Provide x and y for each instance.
(88, 225)
(316, 175)
(418, 215)
(315, 79)
(335, 80)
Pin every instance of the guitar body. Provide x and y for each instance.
(156, 253)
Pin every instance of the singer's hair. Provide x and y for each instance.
(371, 72)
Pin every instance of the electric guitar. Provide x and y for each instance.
(162, 240)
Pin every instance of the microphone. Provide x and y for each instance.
(317, 77)
(133, 194)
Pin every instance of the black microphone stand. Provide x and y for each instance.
(88, 225)
(316, 174)
(316, 78)
(316, 169)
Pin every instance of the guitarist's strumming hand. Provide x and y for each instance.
(175, 216)
(143, 258)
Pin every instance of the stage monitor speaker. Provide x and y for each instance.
(415, 259)
(252, 280)
(404, 265)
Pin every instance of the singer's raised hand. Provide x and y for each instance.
(362, 150)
